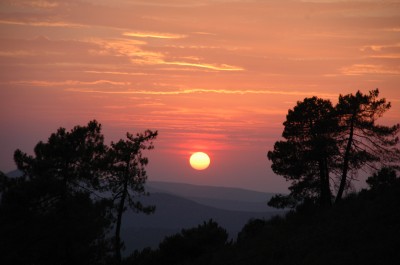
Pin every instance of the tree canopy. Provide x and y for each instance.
(324, 143)
(364, 143)
(191, 246)
(309, 150)
(127, 176)
(61, 210)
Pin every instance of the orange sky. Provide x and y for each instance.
(210, 75)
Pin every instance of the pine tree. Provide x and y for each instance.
(127, 176)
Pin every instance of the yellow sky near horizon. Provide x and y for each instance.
(216, 75)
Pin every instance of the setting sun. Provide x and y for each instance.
(199, 160)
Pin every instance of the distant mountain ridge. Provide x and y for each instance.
(187, 190)
(235, 199)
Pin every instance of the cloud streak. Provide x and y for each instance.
(43, 83)
(204, 91)
(222, 67)
(62, 24)
(140, 56)
(367, 69)
(117, 73)
(155, 35)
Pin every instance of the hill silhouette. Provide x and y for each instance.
(227, 198)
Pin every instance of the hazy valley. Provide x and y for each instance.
(181, 206)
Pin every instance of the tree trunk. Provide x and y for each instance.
(325, 192)
(65, 214)
(346, 159)
(121, 207)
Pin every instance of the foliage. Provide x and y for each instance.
(322, 144)
(58, 211)
(49, 215)
(127, 176)
(364, 228)
(307, 152)
(383, 179)
(191, 246)
(363, 142)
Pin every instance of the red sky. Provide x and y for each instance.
(210, 75)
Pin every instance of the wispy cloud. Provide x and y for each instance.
(19, 53)
(43, 83)
(385, 51)
(137, 53)
(380, 47)
(62, 24)
(393, 29)
(37, 4)
(132, 49)
(150, 104)
(41, 4)
(386, 56)
(201, 90)
(116, 73)
(222, 67)
(154, 35)
(205, 33)
(366, 69)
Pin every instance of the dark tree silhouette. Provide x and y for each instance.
(384, 178)
(364, 143)
(57, 212)
(50, 215)
(322, 141)
(308, 152)
(196, 245)
(363, 229)
(127, 176)
(193, 243)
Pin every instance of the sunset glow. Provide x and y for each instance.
(214, 75)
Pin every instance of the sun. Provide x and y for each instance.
(199, 160)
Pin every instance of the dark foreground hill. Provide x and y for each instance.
(363, 229)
